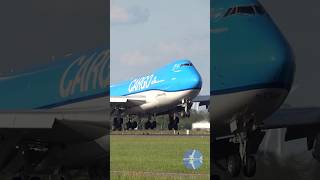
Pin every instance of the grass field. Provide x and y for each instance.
(156, 157)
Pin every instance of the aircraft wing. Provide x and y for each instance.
(300, 122)
(77, 121)
(51, 135)
(203, 100)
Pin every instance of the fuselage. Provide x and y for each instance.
(163, 89)
(252, 65)
(76, 83)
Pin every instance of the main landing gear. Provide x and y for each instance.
(150, 124)
(117, 123)
(131, 124)
(173, 122)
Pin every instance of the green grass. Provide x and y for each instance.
(156, 157)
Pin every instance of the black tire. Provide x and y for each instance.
(215, 177)
(147, 125)
(120, 124)
(115, 124)
(249, 169)
(153, 125)
(234, 165)
(175, 126)
(134, 124)
(177, 120)
(129, 125)
(17, 178)
(35, 178)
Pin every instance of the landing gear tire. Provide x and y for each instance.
(134, 125)
(173, 123)
(153, 124)
(147, 125)
(117, 124)
(35, 178)
(17, 178)
(234, 165)
(249, 169)
(175, 126)
(176, 122)
(215, 177)
(129, 125)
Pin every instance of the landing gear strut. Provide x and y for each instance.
(186, 104)
(242, 159)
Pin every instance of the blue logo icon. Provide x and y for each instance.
(192, 159)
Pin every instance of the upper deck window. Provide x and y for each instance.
(245, 10)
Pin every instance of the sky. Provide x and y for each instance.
(35, 31)
(146, 35)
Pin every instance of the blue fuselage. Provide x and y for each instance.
(252, 65)
(247, 49)
(177, 76)
(68, 81)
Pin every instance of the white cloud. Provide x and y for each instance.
(132, 15)
(134, 58)
(118, 14)
(172, 50)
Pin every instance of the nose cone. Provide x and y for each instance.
(281, 66)
(187, 76)
(272, 60)
(251, 56)
(194, 79)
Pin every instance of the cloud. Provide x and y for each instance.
(172, 50)
(132, 15)
(118, 14)
(134, 58)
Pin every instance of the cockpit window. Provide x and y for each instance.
(186, 64)
(259, 9)
(245, 10)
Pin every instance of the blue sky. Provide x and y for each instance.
(147, 34)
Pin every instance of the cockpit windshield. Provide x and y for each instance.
(245, 10)
(186, 64)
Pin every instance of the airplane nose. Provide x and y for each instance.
(195, 80)
(275, 58)
(261, 59)
(282, 66)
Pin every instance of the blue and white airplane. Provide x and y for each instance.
(48, 114)
(252, 70)
(168, 90)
